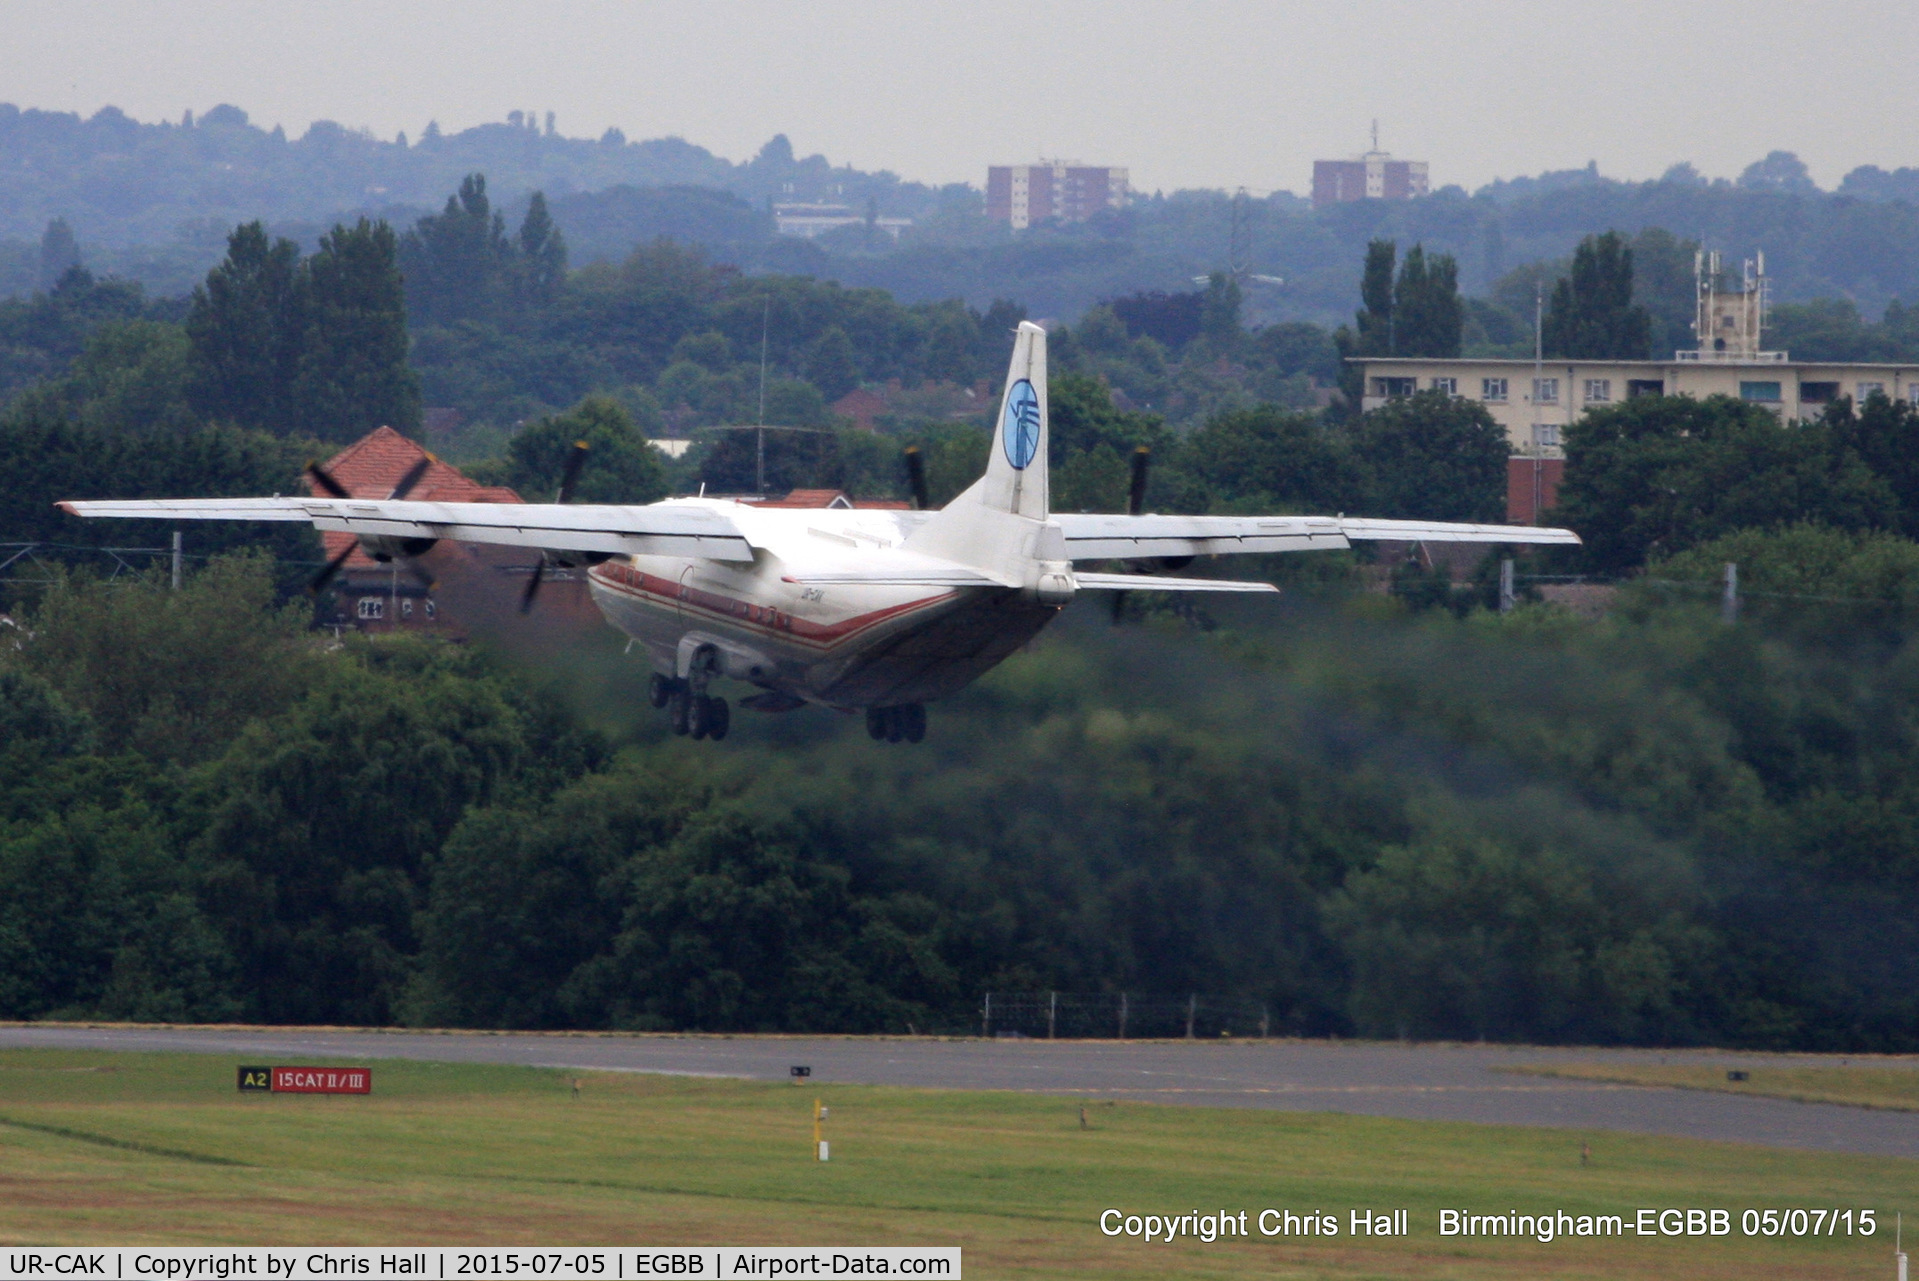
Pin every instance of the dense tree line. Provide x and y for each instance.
(1654, 829)
(1656, 476)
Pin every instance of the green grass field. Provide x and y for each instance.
(1866, 1084)
(145, 1148)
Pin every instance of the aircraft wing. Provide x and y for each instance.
(655, 529)
(1102, 537)
(1438, 531)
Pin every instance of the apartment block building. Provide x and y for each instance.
(1065, 190)
(1535, 401)
(1373, 176)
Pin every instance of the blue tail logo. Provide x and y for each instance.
(1019, 427)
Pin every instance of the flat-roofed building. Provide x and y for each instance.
(808, 221)
(1373, 176)
(1535, 402)
(1064, 190)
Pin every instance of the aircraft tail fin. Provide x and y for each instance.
(971, 527)
(1016, 474)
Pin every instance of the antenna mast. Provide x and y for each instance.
(759, 434)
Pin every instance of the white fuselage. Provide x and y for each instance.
(840, 645)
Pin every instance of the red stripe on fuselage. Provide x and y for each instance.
(762, 618)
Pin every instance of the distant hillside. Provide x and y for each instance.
(153, 203)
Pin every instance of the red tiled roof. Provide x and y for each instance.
(827, 497)
(861, 405)
(371, 466)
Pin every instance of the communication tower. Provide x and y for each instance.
(1730, 319)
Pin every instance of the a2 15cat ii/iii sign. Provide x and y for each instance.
(307, 1080)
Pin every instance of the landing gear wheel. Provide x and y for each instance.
(699, 715)
(679, 710)
(876, 718)
(912, 718)
(717, 718)
(659, 690)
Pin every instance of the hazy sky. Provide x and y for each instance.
(1216, 93)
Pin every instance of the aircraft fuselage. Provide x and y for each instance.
(838, 645)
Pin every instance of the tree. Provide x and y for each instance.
(130, 378)
(1884, 433)
(1426, 316)
(1083, 417)
(620, 467)
(1219, 313)
(832, 365)
(1591, 315)
(353, 373)
(247, 329)
(1780, 171)
(1658, 474)
(1374, 322)
(173, 675)
(59, 253)
(1271, 459)
(1432, 456)
(542, 250)
(1417, 314)
(455, 262)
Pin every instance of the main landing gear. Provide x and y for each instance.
(891, 724)
(692, 713)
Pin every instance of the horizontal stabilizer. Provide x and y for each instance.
(1097, 537)
(1114, 537)
(1153, 583)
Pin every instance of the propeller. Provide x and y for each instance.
(1135, 505)
(334, 489)
(569, 473)
(916, 477)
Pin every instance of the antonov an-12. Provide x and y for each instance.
(884, 611)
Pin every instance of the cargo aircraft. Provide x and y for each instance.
(879, 610)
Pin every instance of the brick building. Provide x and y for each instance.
(373, 597)
(1373, 176)
(1063, 190)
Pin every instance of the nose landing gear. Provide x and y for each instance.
(892, 724)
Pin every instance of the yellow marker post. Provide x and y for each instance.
(819, 1143)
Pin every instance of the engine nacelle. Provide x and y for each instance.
(386, 549)
(576, 560)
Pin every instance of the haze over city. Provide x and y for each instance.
(1224, 95)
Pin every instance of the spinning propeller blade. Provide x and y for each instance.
(412, 478)
(1135, 505)
(575, 459)
(1136, 491)
(916, 477)
(569, 474)
(334, 489)
(325, 576)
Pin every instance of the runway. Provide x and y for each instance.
(1414, 1082)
